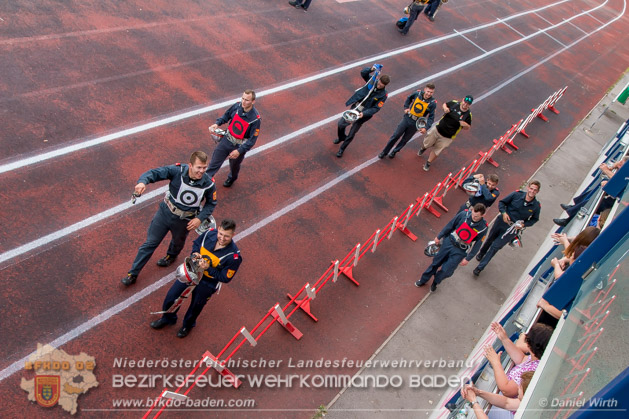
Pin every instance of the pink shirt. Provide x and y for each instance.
(515, 373)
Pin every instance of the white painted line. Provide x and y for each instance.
(38, 158)
(470, 41)
(511, 27)
(544, 19)
(572, 24)
(76, 332)
(112, 211)
(138, 27)
(594, 18)
(554, 39)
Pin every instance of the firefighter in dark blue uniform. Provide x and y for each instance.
(221, 259)
(486, 195)
(242, 134)
(518, 210)
(416, 8)
(367, 100)
(466, 230)
(179, 212)
(418, 104)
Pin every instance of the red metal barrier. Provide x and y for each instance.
(509, 136)
(557, 96)
(443, 191)
(537, 112)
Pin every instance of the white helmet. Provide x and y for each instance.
(516, 242)
(209, 223)
(351, 116)
(432, 248)
(472, 187)
(189, 272)
(217, 134)
(421, 122)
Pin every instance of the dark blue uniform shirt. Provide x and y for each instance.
(517, 208)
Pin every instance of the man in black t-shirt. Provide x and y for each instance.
(457, 116)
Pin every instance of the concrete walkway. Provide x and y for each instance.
(446, 325)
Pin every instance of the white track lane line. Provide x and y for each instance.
(72, 229)
(107, 314)
(511, 27)
(555, 39)
(470, 41)
(38, 158)
(582, 31)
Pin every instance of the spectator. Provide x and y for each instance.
(470, 392)
(534, 343)
(574, 246)
(582, 199)
(598, 220)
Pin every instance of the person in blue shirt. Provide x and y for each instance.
(487, 194)
(367, 101)
(518, 210)
(460, 239)
(242, 133)
(219, 259)
(419, 104)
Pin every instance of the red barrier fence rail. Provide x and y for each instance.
(431, 201)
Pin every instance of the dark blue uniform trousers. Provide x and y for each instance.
(494, 242)
(412, 17)
(405, 129)
(448, 258)
(431, 7)
(163, 222)
(346, 139)
(304, 4)
(200, 296)
(221, 152)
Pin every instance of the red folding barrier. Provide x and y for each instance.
(509, 136)
(460, 178)
(402, 224)
(557, 96)
(537, 112)
(541, 108)
(431, 197)
(438, 200)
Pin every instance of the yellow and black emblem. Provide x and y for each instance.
(419, 107)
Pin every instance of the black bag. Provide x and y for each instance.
(402, 22)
